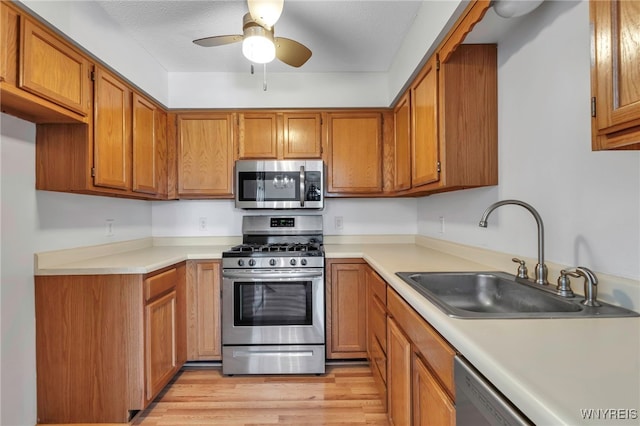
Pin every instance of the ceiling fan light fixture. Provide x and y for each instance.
(259, 49)
(514, 8)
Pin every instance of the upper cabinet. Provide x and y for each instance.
(112, 131)
(402, 144)
(279, 135)
(122, 151)
(355, 152)
(43, 78)
(205, 155)
(453, 128)
(615, 74)
(257, 135)
(301, 135)
(425, 164)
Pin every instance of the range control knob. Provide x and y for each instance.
(241, 262)
(303, 262)
(252, 262)
(292, 262)
(272, 262)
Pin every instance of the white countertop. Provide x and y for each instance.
(552, 369)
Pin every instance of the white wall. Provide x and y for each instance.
(34, 221)
(589, 201)
(361, 216)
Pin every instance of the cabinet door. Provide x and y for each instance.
(431, 405)
(146, 148)
(160, 343)
(258, 135)
(355, 152)
(205, 155)
(424, 120)
(616, 76)
(398, 375)
(112, 131)
(301, 136)
(204, 327)
(51, 69)
(402, 144)
(9, 40)
(348, 294)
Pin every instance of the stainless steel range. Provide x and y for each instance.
(273, 298)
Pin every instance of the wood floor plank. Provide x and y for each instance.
(345, 396)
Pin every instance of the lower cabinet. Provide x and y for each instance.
(419, 369)
(411, 363)
(106, 345)
(346, 311)
(204, 342)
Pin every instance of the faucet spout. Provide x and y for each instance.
(541, 268)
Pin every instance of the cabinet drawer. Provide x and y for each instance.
(378, 286)
(434, 349)
(378, 322)
(160, 284)
(378, 357)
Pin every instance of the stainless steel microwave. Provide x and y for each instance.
(279, 184)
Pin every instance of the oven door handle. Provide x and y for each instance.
(281, 275)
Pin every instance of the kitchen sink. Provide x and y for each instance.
(501, 295)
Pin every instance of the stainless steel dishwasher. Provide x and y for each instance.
(478, 403)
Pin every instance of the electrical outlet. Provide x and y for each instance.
(339, 223)
(442, 224)
(202, 224)
(110, 230)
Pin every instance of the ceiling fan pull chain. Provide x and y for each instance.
(251, 69)
(264, 81)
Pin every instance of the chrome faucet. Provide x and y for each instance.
(590, 283)
(541, 268)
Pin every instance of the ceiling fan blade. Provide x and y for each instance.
(218, 40)
(265, 12)
(291, 52)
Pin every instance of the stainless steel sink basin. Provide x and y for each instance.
(500, 295)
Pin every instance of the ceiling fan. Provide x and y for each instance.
(258, 43)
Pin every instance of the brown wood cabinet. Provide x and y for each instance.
(109, 155)
(377, 330)
(398, 375)
(425, 161)
(257, 135)
(615, 75)
(279, 135)
(354, 164)
(112, 131)
(105, 343)
(204, 328)
(205, 155)
(420, 383)
(402, 154)
(149, 139)
(43, 78)
(346, 299)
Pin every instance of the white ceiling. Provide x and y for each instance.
(344, 35)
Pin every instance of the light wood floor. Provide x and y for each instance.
(345, 395)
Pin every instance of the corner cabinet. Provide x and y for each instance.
(354, 163)
(615, 74)
(205, 154)
(106, 345)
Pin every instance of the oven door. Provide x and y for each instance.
(284, 307)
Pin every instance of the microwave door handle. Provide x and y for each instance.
(302, 186)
